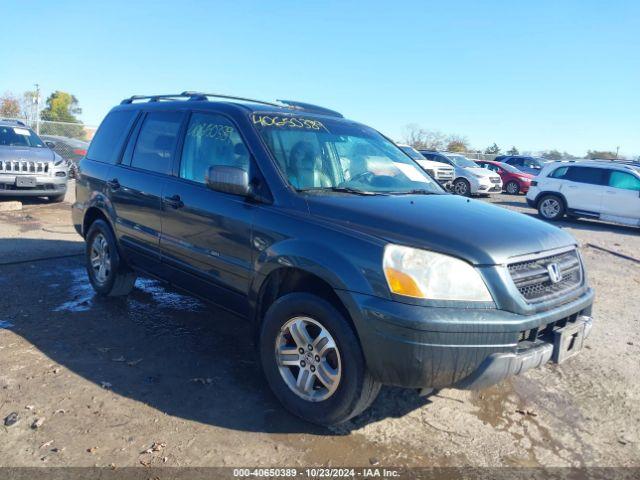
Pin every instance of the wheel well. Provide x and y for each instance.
(289, 280)
(554, 194)
(91, 216)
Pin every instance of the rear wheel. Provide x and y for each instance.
(551, 207)
(108, 273)
(313, 361)
(462, 187)
(512, 187)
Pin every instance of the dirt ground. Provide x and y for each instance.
(108, 378)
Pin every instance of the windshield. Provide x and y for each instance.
(461, 161)
(19, 137)
(412, 152)
(337, 155)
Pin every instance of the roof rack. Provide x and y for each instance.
(309, 107)
(13, 120)
(200, 96)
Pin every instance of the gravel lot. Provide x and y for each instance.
(107, 379)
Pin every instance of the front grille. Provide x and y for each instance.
(24, 167)
(533, 278)
(494, 179)
(444, 174)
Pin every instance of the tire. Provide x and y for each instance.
(551, 207)
(117, 279)
(512, 187)
(462, 187)
(354, 389)
(56, 198)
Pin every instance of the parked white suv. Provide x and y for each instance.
(606, 190)
(443, 173)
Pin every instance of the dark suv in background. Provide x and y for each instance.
(356, 268)
(526, 164)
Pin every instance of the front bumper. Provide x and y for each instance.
(45, 186)
(436, 347)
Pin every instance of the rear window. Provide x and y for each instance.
(109, 139)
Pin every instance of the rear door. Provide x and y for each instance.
(622, 196)
(206, 235)
(584, 188)
(135, 185)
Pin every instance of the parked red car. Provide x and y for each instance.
(514, 181)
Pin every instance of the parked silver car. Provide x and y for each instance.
(470, 179)
(28, 166)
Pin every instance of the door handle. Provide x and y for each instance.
(113, 184)
(173, 201)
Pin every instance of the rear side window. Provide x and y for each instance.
(559, 172)
(156, 142)
(107, 143)
(592, 176)
(624, 180)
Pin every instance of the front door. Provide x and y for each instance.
(135, 186)
(206, 235)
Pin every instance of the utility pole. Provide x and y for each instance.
(36, 100)
(617, 150)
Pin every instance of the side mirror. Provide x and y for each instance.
(234, 180)
(50, 144)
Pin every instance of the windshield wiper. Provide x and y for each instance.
(417, 191)
(354, 191)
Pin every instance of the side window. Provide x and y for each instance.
(592, 176)
(157, 141)
(211, 140)
(108, 141)
(624, 181)
(516, 162)
(559, 172)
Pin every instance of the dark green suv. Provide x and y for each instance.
(356, 268)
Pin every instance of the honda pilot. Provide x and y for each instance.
(356, 268)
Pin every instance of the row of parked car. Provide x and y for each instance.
(600, 189)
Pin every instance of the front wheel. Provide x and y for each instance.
(462, 187)
(108, 273)
(313, 361)
(551, 207)
(512, 188)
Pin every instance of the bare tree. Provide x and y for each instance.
(457, 143)
(421, 138)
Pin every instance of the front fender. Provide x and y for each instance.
(339, 269)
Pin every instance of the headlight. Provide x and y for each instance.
(412, 272)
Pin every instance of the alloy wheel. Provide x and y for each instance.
(513, 188)
(308, 359)
(100, 258)
(460, 188)
(550, 208)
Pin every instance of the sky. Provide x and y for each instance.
(538, 75)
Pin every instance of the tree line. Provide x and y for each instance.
(424, 139)
(58, 107)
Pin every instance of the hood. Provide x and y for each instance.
(34, 154)
(481, 172)
(431, 164)
(478, 232)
